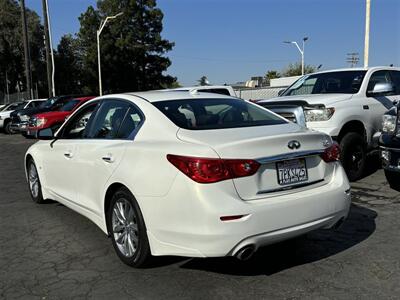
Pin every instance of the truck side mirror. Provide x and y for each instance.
(381, 88)
(281, 92)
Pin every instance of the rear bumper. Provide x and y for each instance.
(195, 229)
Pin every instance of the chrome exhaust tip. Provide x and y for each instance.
(246, 252)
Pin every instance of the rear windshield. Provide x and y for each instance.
(202, 114)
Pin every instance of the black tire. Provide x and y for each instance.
(141, 255)
(7, 127)
(393, 178)
(36, 195)
(353, 155)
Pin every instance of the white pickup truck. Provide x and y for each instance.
(347, 104)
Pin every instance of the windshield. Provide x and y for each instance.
(48, 103)
(343, 82)
(15, 106)
(69, 105)
(201, 114)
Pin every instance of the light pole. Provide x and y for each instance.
(301, 50)
(102, 24)
(50, 44)
(366, 39)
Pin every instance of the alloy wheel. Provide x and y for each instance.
(125, 228)
(33, 180)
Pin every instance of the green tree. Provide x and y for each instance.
(68, 66)
(272, 74)
(132, 49)
(203, 80)
(12, 51)
(295, 70)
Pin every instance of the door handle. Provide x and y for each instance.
(68, 154)
(108, 158)
(365, 107)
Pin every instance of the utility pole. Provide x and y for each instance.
(367, 22)
(47, 46)
(352, 59)
(28, 71)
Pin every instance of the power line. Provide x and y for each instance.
(353, 59)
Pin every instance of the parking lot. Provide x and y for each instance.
(49, 252)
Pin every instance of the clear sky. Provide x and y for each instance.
(232, 40)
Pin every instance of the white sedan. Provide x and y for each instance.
(190, 174)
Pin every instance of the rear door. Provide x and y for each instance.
(114, 127)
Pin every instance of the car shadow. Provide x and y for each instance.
(373, 164)
(313, 247)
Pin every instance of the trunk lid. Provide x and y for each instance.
(268, 145)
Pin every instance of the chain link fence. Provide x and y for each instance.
(19, 96)
(258, 93)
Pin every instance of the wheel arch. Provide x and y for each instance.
(108, 196)
(353, 126)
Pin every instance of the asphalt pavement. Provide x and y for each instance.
(50, 252)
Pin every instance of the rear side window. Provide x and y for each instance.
(202, 114)
(379, 77)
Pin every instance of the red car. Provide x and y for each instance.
(54, 119)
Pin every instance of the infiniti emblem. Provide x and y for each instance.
(294, 145)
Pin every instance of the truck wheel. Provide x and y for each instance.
(7, 128)
(353, 155)
(393, 178)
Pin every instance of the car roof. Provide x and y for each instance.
(155, 96)
(358, 69)
(83, 98)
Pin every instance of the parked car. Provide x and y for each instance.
(389, 143)
(5, 115)
(20, 118)
(347, 104)
(53, 119)
(222, 180)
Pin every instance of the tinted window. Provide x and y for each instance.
(115, 120)
(396, 81)
(78, 126)
(343, 82)
(70, 105)
(379, 77)
(203, 114)
(37, 103)
(15, 106)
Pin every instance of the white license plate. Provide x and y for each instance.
(291, 171)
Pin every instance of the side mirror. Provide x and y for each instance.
(381, 88)
(281, 92)
(45, 134)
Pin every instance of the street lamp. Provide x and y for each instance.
(300, 50)
(102, 24)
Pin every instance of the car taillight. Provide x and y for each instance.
(331, 153)
(209, 170)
